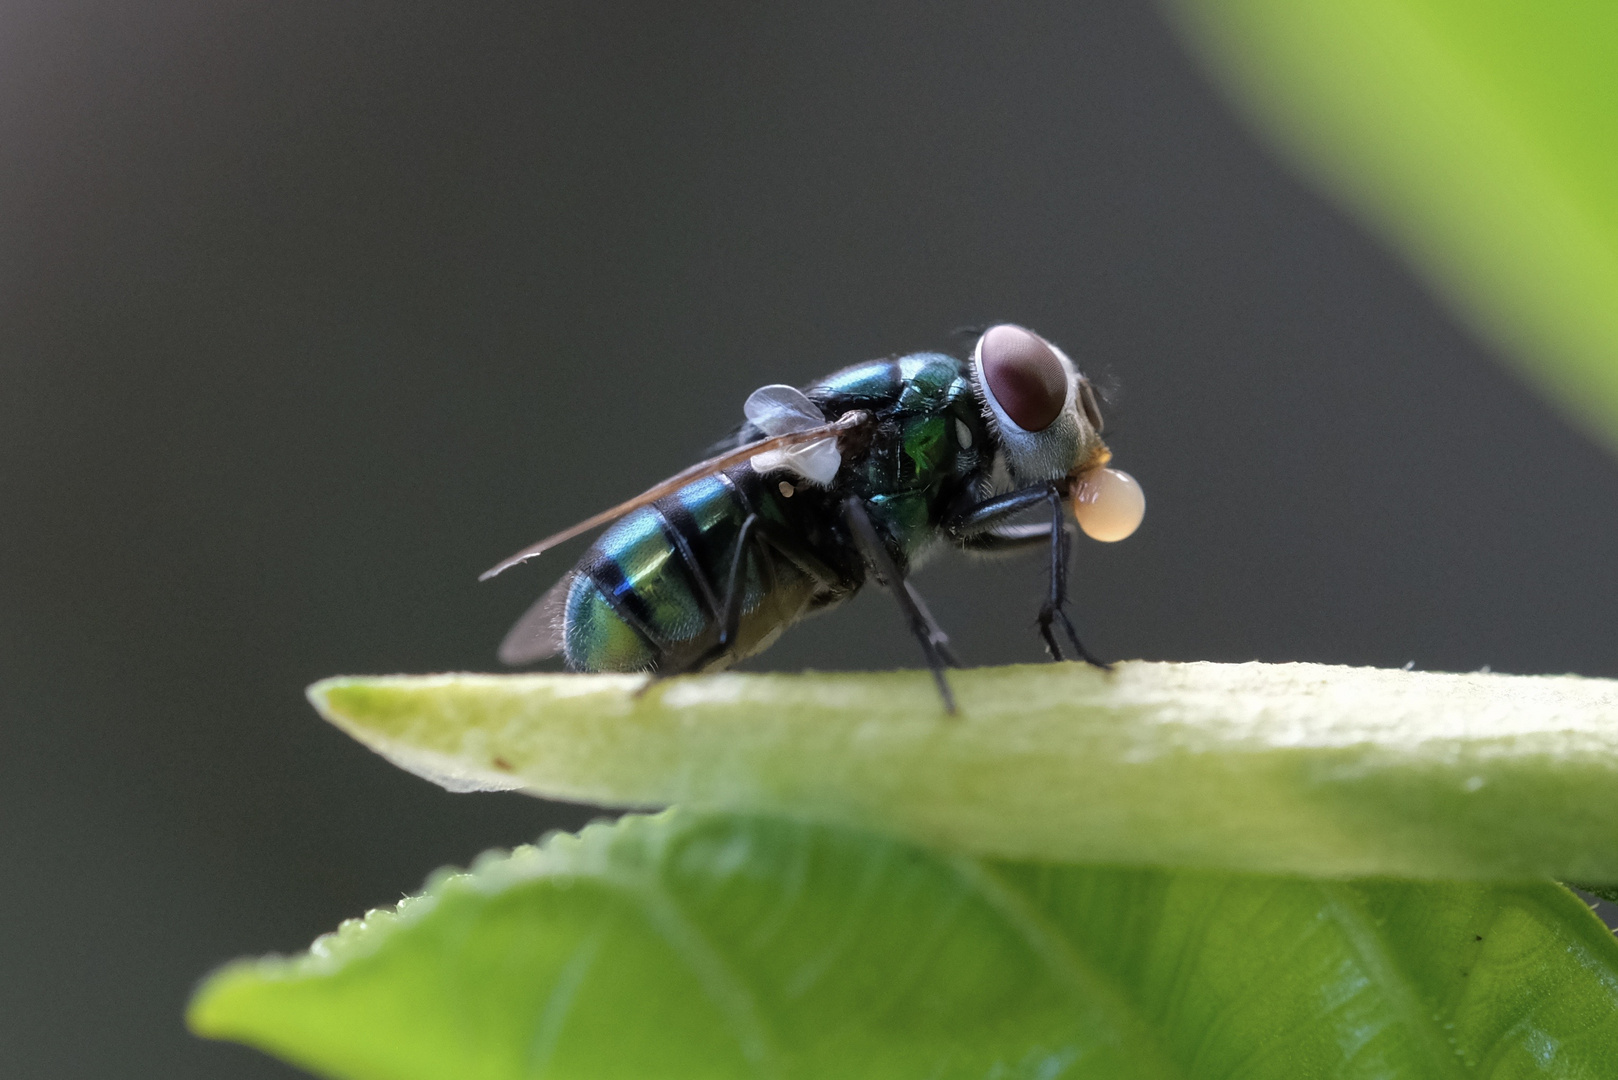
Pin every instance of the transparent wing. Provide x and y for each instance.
(538, 634)
(778, 410)
(718, 463)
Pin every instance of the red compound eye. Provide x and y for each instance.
(1024, 376)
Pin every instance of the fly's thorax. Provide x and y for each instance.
(927, 429)
(926, 446)
(1038, 406)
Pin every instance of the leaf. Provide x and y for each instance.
(1476, 136)
(1291, 768)
(718, 946)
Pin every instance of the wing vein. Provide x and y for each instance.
(701, 469)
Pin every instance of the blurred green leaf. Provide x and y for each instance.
(719, 946)
(1290, 768)
(1479, 136)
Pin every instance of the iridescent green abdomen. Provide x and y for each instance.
(649, 593)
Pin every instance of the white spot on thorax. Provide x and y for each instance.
(963, 434)
(787, 490)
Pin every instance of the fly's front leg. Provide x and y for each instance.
(1055, 607)
(983, 527)
(934, 643)
(1008, 539)
(988, 518)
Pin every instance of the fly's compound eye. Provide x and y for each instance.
(1087, 402)
(1108, 504)
(1024, 376)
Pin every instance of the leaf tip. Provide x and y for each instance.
(214, 1011)
(328, 696)
(354, 701)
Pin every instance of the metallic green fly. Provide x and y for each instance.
(860, 475)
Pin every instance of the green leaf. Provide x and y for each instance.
(1292, 768)
(1476, 135)
(719, 946)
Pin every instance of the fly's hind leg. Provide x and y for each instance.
(730, 609)
(735, 593)
(727, 608)
(934, 643)
(1054, 609)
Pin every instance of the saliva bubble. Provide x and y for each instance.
(1108, 504)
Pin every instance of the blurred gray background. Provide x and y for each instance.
(309, 312)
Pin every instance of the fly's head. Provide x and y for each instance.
(1043, 410)
(1049, 424)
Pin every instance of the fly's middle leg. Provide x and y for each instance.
(934, 642)
(935, 633)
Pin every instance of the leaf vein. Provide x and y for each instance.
(724, 987)
(1125, 1019)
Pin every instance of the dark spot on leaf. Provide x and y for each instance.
(505, 766)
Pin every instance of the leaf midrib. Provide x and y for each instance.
(1396, 990)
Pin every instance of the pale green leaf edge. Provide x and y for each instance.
(1285, 769)
(356, 1006)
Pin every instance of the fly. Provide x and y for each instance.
(858, 476)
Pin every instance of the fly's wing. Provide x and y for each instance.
(720, 462)
(781, 410)
(538, 634)
(778, 409)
